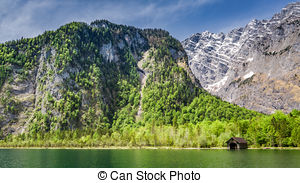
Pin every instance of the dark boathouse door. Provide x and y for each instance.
(233, 146)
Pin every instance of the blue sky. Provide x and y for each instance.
(182, 18)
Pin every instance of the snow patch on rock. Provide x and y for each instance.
(248, 75)
(250, 59)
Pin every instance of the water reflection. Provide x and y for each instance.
(148, 158)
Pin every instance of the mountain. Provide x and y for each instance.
(101, 77)
(256, 66)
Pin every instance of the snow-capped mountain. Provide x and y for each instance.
(257, 66)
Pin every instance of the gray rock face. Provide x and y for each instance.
(256, 66)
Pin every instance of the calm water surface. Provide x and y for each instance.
(148, 158)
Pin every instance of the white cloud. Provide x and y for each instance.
(29, 18)
(18, 19)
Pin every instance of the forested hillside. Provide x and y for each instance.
(113, 85)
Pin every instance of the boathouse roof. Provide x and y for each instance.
(238, 140)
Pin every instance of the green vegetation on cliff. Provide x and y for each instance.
(81, 86)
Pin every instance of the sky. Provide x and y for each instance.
(182, 18)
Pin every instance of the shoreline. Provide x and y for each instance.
(150, 148)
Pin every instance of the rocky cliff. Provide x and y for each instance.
(256, 66)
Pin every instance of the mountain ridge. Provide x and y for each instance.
(232, 65)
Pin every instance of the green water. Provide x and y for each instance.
(148, 158)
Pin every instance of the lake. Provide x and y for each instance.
(148, 158)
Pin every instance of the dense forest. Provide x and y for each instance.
(82, 88)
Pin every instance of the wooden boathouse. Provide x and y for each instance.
(237, 143)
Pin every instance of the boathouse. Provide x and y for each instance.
(237, 143)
